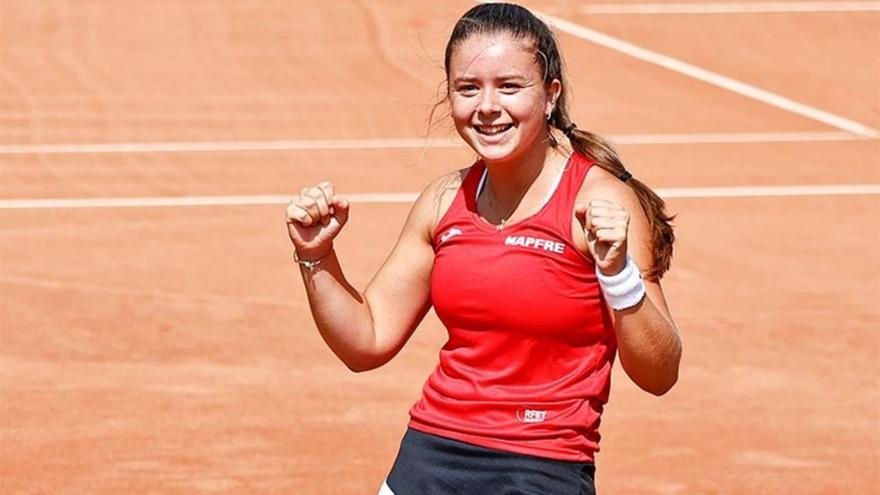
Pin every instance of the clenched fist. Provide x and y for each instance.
(605, 224)
(314, 219)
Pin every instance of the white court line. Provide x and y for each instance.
(770, 191)
(729, 8)
(154, 294)
(685, 192)
(188, 146)
(402, 143)
(735, 137)
(707, 76)
(189, 201)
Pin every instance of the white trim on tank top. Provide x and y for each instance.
(546, 199)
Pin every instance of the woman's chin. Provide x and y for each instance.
(493, 152)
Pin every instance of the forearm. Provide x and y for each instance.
(340, 313)
(649, 347)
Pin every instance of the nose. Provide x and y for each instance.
(489, 102)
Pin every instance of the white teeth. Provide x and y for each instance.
(492, 129)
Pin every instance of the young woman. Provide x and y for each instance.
(531, 258)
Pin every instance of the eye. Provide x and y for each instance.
(510, 87)
(467, 89)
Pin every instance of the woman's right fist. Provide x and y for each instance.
(314, 219)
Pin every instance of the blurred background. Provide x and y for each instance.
(154, 332)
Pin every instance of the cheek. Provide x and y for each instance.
(527, 110)
(461, 110)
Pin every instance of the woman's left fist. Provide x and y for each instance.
(605, 223)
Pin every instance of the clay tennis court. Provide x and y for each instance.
(154, 332)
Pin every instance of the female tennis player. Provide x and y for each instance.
(543, 261)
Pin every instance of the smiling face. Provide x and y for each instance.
(499, 101)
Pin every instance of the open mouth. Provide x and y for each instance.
(492, 130)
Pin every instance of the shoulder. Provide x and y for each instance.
(435, 199)
(602, 184)
(446, 184)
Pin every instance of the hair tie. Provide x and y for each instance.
(625, 176)
(569, 130)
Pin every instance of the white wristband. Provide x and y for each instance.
(625, 289)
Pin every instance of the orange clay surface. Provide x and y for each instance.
(170, 349)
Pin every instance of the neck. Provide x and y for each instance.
(509, 180)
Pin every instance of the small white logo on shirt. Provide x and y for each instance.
(535, 243)
(449, 234)
(531, 415)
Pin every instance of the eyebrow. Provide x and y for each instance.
(510, 77)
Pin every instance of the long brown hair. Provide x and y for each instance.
(522, 24)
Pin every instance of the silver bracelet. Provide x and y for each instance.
(310, 264)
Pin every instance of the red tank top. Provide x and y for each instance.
(527, 366)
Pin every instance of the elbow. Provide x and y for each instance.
(356, 367)
(660, 388)
(661, 380)
(361, 366)
(667, 380)
(370, 359)
(656, 384)
(361, 358)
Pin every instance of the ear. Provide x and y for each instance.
(553, 92)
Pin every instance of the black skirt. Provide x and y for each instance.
(430, 465)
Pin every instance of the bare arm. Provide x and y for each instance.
(364, 330)
(648, 341)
